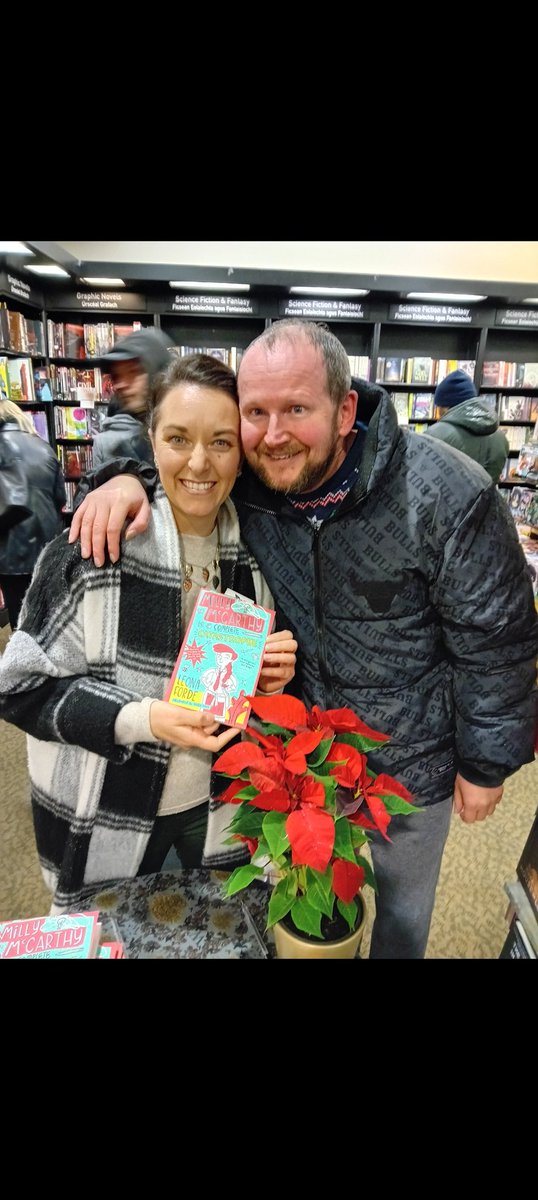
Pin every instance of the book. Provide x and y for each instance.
(71, 935)
(517, 944)
(110, 950)
(527, 867)
(530, 374)
(220, 659)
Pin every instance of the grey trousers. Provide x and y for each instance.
(407, 870)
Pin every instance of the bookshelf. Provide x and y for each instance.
(379, 328)
(23, 369)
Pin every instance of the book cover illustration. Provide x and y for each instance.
(220, 660)
(72, 935)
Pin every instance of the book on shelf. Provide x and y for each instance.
(75, 461)
(530, 374)
(491, 373)
(527, 867)
(74, 341)
(39, 422)
(514, 408)
(527, 463)
(21, 380)
(468, 365)
(394, 370)
(519, 499)
(221, 656)
(71, 422)
(421, 406)
(42, 388)
(71, 935)
(4, 379)
(423, 370)
(517, 944)
(400, 401)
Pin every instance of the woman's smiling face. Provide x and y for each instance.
(197, 452)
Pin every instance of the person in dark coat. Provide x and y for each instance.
(133, 364)
(21, 545)
(468, 424)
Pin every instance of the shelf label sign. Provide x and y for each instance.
(214, 306)
(14, 286)
(433, 314)
(95, 301)
(321, 310)
(524, 318)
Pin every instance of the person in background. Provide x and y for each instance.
(468, 424)
(397, 564)
(21, 545)
(118, 775)
(133, 364)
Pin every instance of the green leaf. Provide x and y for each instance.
(274, 832)
(395, 804)
(247, 793)
(306, 918)
(348, 912)
(279, 904)
(360, 742)
(319, 890)
(240, 878)
(319, 755)
(358, 836)
(248, 821)
(343, 840)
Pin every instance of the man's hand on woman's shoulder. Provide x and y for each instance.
(100, 519)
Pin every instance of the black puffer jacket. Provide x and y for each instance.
(412, 605)
(21, 545)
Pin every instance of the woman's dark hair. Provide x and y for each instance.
(201, 369)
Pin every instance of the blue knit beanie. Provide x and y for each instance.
(454, 389)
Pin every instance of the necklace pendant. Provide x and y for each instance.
(188, 571)
(205, 574)
(215, 582)
(187, 584)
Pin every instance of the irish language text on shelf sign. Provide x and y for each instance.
(332, 310)
(431, 314)
(523, 317)
(215, 306)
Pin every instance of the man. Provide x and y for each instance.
(133, 364)
(400, 573)
(468, 424)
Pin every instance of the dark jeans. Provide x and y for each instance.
(185, 831)
(14, 588)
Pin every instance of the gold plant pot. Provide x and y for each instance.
(291, 945)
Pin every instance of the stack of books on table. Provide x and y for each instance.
(71, 935)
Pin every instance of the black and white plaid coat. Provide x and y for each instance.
(89, 641)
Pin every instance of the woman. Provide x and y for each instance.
(118, 775)
(21, 545)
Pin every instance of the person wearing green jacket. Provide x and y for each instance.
(468, 424)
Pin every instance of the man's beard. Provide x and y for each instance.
(311, 475)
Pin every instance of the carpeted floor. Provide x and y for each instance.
(469, 918)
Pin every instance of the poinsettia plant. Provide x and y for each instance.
(306, 799)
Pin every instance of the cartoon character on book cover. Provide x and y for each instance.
(220, 681)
